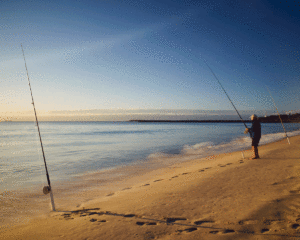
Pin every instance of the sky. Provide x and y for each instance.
(146, 57)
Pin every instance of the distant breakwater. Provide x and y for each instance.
(191, 121)
(268, 119)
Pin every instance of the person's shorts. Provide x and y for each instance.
(255, 142)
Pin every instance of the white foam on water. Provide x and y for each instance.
(198, 146)
(268, 138)
(198, 149)
(238, 144)
(158, 155)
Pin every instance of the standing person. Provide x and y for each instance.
(255, 133)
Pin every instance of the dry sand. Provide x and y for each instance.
(220, 197)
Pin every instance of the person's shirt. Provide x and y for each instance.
(255, 130)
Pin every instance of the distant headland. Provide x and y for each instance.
(286, 118)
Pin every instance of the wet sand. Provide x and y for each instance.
(219, 197)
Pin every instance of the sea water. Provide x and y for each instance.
(76, 148)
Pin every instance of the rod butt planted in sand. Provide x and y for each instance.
(52, 200)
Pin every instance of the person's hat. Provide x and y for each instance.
(253, 117)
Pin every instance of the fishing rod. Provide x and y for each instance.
(226, 95)
(279, 117)
(46, 189)
(230, 102)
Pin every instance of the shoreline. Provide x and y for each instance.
(201, 149)
(159, 193)
(106, 182)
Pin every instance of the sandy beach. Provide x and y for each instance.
(219, 197)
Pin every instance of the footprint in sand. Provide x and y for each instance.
(228, 231)
(147, 184)
(173, 177)
(295, 190)
(185, 173)
(146, 223)
(95, 220)
(172, 220)
(158, 180)
(192, 229)
(126, 188)
(203, 221)
(110, 194)
(201, 170)
(129, 215)
(220, 165)
(81, 213)
(224, 231)
(264, 230)
(295, 226)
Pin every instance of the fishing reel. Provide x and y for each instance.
(46, 189)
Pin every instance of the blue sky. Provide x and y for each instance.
(110, 55)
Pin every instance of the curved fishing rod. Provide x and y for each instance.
(279, 117)
(48, 188)
(226, 95)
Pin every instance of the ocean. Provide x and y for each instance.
(74, 149)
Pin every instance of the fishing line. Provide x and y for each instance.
(279, 117)
(40, 169)
(229, 100)
(226, 95)
(47, 189)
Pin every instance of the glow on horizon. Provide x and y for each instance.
(130, 114)
(148, 56)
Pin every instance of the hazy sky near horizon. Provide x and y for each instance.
(145, 54)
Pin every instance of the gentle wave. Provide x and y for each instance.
(240, 143)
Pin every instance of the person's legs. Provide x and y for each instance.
(256, 152)
(253, 152)
(255, 149)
